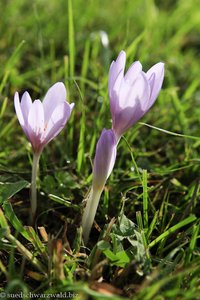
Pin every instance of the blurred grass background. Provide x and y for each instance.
(42, 42)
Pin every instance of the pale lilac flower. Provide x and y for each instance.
(42, 121)
(104, 158)
(103, 165)
(132, 95)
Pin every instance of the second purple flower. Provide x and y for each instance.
(132, 95)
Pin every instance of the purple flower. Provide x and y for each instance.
(42, 121)
(104, 161)
(132, 95)
(104, 158)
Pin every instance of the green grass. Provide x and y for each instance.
(145, 242)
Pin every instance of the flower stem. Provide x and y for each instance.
(89, 212)
(36, 158)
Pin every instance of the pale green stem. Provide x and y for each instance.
(35, 165)
(89, 212)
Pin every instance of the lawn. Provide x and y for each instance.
(143, 244)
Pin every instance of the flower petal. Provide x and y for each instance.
(18, 109)
(134, 106)
(155, 75)
(36, 125)
(116, 70)
(142, 91)
(105, 157)
(26, 104)
(114, 94)
(123, 91)
(54, 96)
(57, 121)
(133, 72)
(116, 67)
(22, 117)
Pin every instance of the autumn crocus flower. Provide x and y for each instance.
(103, 164)
(41, 122)
(132, 95)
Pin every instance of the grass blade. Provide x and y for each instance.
(172, 229)
(71, 39)
(145, 199)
